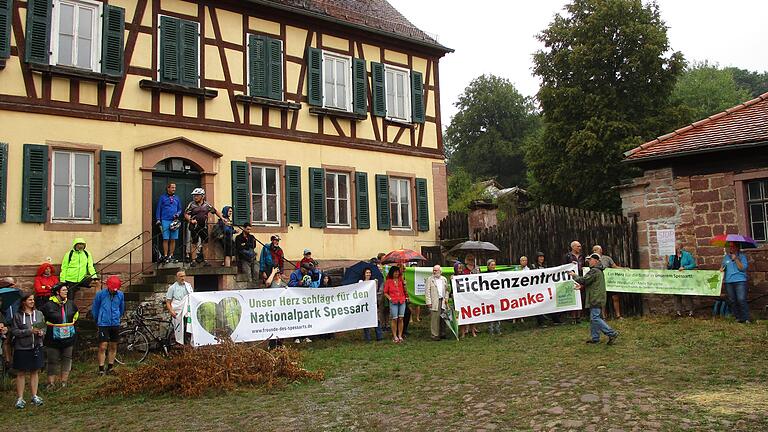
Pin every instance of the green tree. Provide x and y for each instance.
(485, 137)
(462, 190)
(755, 83)
(606, 77)
(703, 90)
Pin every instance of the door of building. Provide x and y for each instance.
(187, 177)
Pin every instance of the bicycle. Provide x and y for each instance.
(138, 339)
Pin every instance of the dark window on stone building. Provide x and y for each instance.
(757, 201)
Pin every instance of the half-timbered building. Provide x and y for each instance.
(317, 120)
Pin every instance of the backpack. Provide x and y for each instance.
(71, 251)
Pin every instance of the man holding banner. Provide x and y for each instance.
(435, 295)
(594, 285)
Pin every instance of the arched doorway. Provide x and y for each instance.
(186, 175)
(203, 162)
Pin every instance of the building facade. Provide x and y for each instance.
(703, 180)
(316, 120)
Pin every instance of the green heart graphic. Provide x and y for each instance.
(220, 319)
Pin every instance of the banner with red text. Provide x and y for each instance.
(514, 294)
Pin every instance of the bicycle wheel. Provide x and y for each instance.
(132, 348)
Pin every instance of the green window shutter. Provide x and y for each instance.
(5, 28)
(241, 205)
(257, 65)
(378, 91)
(417, 97)
(359, 86)
(275, 71)
(315, 76)
(169, 49)
(363, 213)
(293, 194)
(111, 188)
(34, 191)
(112, 40)
(38, 33)
(382, 202)
(188, 53)
(316, 197)
(422, 204)
(3, 180)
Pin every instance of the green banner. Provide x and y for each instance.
(685, 282)
(415, 278)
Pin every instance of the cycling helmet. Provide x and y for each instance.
(198, 191)
(176, 224)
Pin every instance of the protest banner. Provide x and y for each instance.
(685, 282)
(253, 315)
(415, 280)
(514, 294)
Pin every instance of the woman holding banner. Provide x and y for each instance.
(470, 267)
(394, 291)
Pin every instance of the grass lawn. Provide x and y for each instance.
(662, 374)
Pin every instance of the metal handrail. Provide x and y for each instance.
(119, 247)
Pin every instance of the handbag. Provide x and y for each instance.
(63, 331)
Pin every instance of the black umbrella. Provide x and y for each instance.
(355, 273)
(474, 246)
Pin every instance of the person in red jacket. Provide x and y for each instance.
(44, 281)
(394, 291)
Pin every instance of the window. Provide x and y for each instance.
(72, 186)
(76, 39)
(337, 208)
(398, 93)
(337, 82)
(400, 203)
(265, 67)
(265, 195)
(179, 51)
(757, 201)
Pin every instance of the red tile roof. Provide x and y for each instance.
(377, 15)
(741, 125)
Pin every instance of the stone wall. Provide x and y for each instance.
(697, 207)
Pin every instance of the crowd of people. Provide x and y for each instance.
(39, 329)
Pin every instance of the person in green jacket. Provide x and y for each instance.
(594, 284)
(77, 266)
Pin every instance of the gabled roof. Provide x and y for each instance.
(374, 15)
(745, 125)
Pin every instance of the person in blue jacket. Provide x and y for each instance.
(107, 309)
(682, 260)
(168, 209)
(735, 267)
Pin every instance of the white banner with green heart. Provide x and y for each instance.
(259, 314)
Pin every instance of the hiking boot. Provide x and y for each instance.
(590, 341)
(206, 264)
(37, 400)
(193, 264)
(20, 404)
(612, 339)
(307, 340)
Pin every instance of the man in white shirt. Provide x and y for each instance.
(436, 297)
(174, 302)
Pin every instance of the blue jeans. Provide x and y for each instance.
(367, 333)
(737, 296)
(597, 324)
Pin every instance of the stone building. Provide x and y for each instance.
(708, 178)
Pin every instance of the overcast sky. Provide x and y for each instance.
(498, 37)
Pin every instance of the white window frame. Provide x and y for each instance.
(348, 80)
(278, 203)
(763, 201)
(98, 8)
(70, 218)
(336, 199)
(199, 47)
(397, 224)
(248, 67)
(391, 115)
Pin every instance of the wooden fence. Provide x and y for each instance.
(550, 229)
(455, 226)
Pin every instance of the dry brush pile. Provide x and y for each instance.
(216, 368)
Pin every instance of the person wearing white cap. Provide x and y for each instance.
(197, 215)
